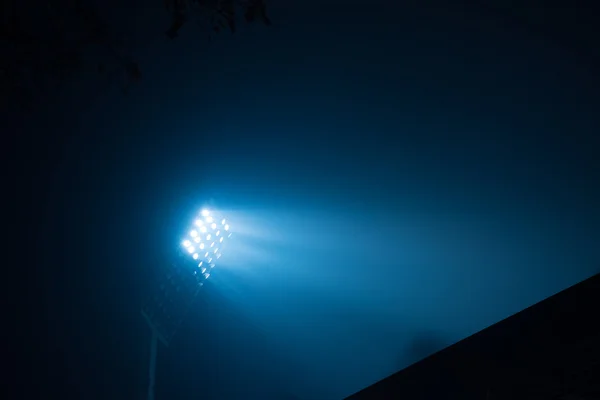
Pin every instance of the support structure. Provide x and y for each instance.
(163, 321)
(152, 370)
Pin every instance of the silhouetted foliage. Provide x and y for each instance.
(45, 45)
(215, 15)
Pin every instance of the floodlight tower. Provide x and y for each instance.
(181, 281)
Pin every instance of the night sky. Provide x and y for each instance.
(397, 179)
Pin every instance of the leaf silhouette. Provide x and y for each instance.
(177, 22)
(257, 10)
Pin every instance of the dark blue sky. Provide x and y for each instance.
(398, 178)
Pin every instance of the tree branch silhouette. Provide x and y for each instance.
(44, 47)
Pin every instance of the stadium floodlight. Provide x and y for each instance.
(181, 282)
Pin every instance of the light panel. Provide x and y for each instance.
(200, 238)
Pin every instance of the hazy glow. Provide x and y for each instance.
(214, 226)
(195, 256)
(187, 243)
(226, 227)
(209, 219)
(205, 213)
(193, 233)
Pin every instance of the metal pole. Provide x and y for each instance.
(152, 371)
